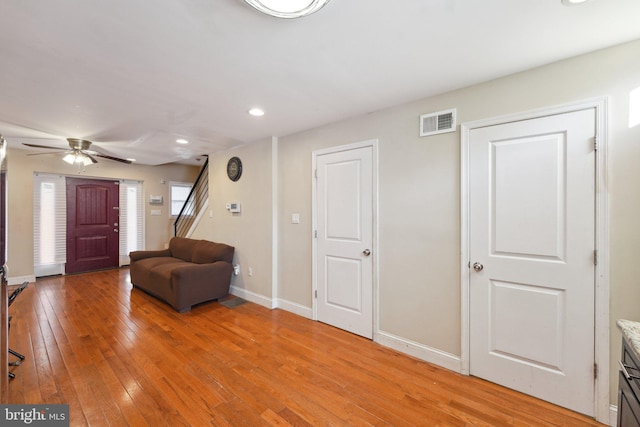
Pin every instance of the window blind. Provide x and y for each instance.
(49, 224)
(131, 219)
(179, 194)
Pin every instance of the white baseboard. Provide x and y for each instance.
(295, 308)
(253, 297)
(421, 351)
(613, 415)
(18, 280)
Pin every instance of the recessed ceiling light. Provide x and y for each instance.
(573, 2)
(131, 160)
(182, 141)
(257, 112)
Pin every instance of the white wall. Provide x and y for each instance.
(419, 198)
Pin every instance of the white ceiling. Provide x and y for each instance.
(134, 75)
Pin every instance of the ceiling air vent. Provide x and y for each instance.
(440, 122)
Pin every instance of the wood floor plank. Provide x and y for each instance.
(120, 357)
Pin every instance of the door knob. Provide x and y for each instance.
(115, 230)
(477, 266)
(366, 252)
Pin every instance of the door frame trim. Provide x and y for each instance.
(373, 143)
(602, 323)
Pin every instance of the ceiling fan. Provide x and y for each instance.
(78, 153)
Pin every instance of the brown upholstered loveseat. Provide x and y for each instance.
(188, 272)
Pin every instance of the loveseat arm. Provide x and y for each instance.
(200, 282)
(138, 255)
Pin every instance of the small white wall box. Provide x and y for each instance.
(155, 200)
(234, 207)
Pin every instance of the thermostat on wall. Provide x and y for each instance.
(233, 207)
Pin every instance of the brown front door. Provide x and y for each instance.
(92, 224)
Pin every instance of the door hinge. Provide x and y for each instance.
(315, 173)
(595, 257)
(595, 371)
(316, 294)
(315, 233)
(595, 143)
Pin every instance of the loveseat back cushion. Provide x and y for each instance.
(182, 247)
(206, 252)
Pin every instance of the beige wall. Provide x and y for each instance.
(250, 230)
(419, 197)
(20, 169)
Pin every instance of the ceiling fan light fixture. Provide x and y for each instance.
(69, 158)
(287, 9)
(77, 158)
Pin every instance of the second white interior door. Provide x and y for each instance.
(345, 237)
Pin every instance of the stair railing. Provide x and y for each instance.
(195, 203)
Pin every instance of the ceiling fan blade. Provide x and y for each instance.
(40, 154)
(117, 159)
(43, 146)
(93, 159)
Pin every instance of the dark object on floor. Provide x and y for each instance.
(233, 302)
(12, 298)
(187, 273)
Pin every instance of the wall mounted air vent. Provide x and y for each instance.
(440, 122)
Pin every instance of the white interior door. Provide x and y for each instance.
(344, 210)
(532, 240)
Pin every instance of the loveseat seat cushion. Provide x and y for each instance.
(206, 252)
(161, 273)
(160, 263)
(154, 275)
(182, 247)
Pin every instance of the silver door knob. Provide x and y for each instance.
(366, 252)
(477, 266)
(115, 230)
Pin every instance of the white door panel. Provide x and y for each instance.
(516, 308)
(344, 283)
(342, 199)
(529, 196)
(345, 233)
(532, 228)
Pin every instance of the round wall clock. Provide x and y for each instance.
(234, 169)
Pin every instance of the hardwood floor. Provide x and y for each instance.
(119, 357)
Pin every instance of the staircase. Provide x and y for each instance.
(195, 205)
